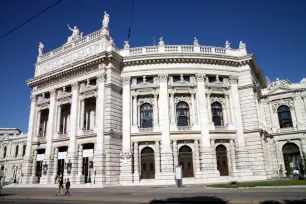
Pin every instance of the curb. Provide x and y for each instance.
(302, 186)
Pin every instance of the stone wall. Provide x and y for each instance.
(112, 159)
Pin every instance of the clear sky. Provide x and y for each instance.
(274, 30)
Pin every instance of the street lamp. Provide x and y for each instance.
(69, 166)
(45, 168)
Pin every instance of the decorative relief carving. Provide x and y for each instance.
(52, 93)
(74, 86)
(278, 83)
(33, 98)
(126, 80)
(288, 102)
(186, 99)
(42, 100)
(200, 77)
(68, 59)
(101, 78)
(145, 100)
(233, 79)
(163, 77)
(221, 100)
(156, 80)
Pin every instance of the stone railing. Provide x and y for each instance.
(183, 49)
(183, 128)
(73, 44)
(145, 129)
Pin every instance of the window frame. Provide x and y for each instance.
(183, 120)
(213, 116)
(284, 122)
(144, 118)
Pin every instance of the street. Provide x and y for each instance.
(157, 194)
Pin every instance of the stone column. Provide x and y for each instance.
(299, 110)
(80, 177)
(99, 157)
(135, 110)
(38, 124)
(156, 122)
(82, 114)
(126, 164)
(175, 152)
(45, 179)
(228, 110)
(55, 164)
(209, 111)
(58, 118)
(213, 146)
(173, 121)
(157, 160)
(166, 150)
(207, 158)
(242, 152)
(136, 163)
(197, 158)
(233, 155)
(194, 112)
(28, 160)
(34, 178)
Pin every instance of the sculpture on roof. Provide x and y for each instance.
(126, 45)
(40, 49)
(161, 41)
(195, 41)
(277, 83)
(242, 45)
(227, 45)
(75, 33)
(105, 21)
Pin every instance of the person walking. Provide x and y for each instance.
(60, 186)
(67, 187)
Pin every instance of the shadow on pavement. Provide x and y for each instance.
(8, 194)
(285, 201)
(198, 199)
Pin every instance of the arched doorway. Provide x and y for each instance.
(185, 160)
(222, 164)
(292, 157)
(147, 163)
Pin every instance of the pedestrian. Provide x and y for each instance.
(67, 187)
(60, 186)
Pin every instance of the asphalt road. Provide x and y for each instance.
(157, 194)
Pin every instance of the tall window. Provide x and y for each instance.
(182, 114)
(16, 151)
(4, 152)
(24, 150)
(146, 115)
(284, 117)
(217, 116)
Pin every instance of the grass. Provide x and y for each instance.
(262, 183)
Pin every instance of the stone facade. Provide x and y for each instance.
(129, 116)
(12, 151)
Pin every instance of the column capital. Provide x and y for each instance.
(126, 80)
(196, 141)
(200, 77)
(233, 79)
(75, 86)
(33, 98)
(52, 93)
(163, 77)
(101, 78)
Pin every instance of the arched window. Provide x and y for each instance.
(146, 115)
(217, 115)
(182, 114)
(16, 151)
(284, 117)
(4, 152)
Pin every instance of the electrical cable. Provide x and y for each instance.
(131, 18)
(30, 19)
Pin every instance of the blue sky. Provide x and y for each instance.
(274, 30)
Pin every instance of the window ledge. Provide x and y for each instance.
(183, 127)
(145, 129)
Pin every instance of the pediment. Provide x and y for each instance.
(280, 90)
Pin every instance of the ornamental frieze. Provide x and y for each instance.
(71, 58)
(186, 99)
(278, 83)
(287, 102)
(220, 100)
(145, 100)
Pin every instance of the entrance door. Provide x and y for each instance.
(39, 169)
(222, 164)
(292, 157)
(147, 163)
(61, 167)
(186, 161)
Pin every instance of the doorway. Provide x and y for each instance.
(62, 152)
(147, 163)
(186, 161)
(292, 157)
(222, 163)
(88, 162)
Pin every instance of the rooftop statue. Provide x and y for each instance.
(242, 45)
(161, 41)
(105, 21)
(227, 45)
(75, 33)
(40, 49)
(195, 41)
(126, 45)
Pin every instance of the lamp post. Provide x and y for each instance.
(45, 168)
(69, 166)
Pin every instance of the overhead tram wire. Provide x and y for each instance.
(30, 19)
(131, 19)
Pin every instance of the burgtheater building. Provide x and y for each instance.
(104, 115)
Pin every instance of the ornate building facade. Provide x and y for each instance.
(129, 116)
(12, 151)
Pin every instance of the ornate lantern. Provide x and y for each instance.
(45, 168)
(69, 166)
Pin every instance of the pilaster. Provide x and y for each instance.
(136, 175)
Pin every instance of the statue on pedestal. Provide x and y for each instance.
(161, 42)
(241, 45)
(227, 45)
(40, 49)
(105, 21)
(75, 33)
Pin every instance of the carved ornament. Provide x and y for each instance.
(220, 100)
(163, 77)
(278, 83)
(200, 77)
(288, 102)
(186, 99)
(233, 79)
(101, 78)
(126, 80)
(145, 100)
